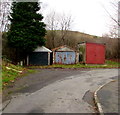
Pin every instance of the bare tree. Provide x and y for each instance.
(65, 26)
(4, 12)
(115, 18)
(119, 19)
(52, 26)
(57, 26)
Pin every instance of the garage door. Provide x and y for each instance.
(65, 57)
(38, 58)
(95, 54)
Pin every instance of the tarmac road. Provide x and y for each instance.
(108, 97)
(70, 94)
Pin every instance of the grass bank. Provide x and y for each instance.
(11, 72)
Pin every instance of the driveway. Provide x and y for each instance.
(58, 91)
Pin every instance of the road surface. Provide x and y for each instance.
(71, 92)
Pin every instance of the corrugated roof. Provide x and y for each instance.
(63, 48)
(42, 49)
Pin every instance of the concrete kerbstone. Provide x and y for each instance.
(100, 110)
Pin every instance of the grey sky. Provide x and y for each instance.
(89, 15)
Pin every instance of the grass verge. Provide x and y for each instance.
(11, 72)
(108, 64)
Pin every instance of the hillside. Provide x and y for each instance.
(84, 34)
(71, 38)
(58, 38)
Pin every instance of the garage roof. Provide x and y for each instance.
(42, 49)
(64, 49)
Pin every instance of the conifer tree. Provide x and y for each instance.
(27, 30)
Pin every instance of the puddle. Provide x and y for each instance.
(88, 97)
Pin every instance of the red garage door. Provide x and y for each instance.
(95, 53)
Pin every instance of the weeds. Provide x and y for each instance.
(108, 64)
(10, 75)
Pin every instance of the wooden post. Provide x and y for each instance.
(21, 63)
(27, 60)
(48, 58)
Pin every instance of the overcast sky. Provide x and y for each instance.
(89, 15)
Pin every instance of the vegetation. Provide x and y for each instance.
(108, 64)
(27, 30)
(113, 63)
(11, 72)
(8, 73)
(73, 38)
(58, 22)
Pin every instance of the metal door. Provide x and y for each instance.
(65, 57)
(38, 58)
(90, 54)
(95, 53)
(100, 54)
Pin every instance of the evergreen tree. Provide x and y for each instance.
(27, 30)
